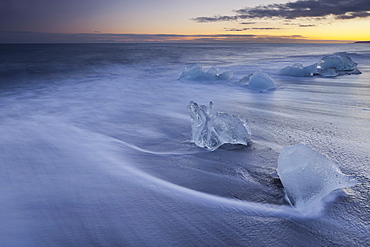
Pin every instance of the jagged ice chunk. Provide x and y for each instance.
(308, 176)
(298, 70)
(195, 72)
(258, 81)
(211, 129)
(335, 64)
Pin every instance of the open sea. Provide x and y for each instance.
(95, 146)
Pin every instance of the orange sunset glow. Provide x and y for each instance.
(266, 21)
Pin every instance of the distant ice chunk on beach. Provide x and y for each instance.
(258, 81)
(329, 66)
(308, 176)
(336, 64)
(211, 129)
(298, 70)
(195, 72)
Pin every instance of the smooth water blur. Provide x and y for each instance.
(95, 146)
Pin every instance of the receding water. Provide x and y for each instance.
(95, 146)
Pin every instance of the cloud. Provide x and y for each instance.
(250, 28)
(308, 25)
(351, 15)
(215, 18)
(340, 9)
(247, 23)
(235, 29)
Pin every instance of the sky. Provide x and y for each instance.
(267, 21)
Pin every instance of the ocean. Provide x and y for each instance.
(96, 150)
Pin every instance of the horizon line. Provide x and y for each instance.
(10, 37)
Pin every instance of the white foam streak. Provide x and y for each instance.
(211, 201)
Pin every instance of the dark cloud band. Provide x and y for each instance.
(340, 9)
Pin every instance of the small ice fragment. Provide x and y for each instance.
(195, 72)
(258, 81)
(308, 176)
(294, 70)
(339, 62)
(298, 70)
(227, 75)
(211, 129)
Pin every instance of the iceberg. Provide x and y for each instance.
(258, 81)
(308, 177)
(298, 70)
(211, 129)
(336, 64)
(195, 72)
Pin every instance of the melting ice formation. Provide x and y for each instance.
(211, 129)
(329, 66)
(299, 70)
(308, 176)
(336, 64)
(258, 81)
(195, 72)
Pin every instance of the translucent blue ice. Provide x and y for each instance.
(258, 81)
(195, 72)
(298, 70)
(308, 177)
(336, 64)
(211, 129)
